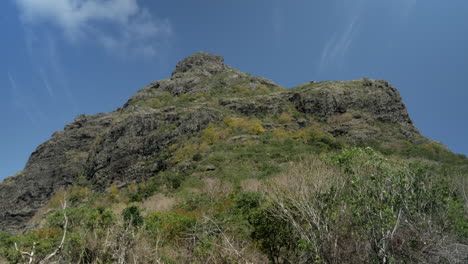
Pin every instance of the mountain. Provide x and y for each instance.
(209, 119)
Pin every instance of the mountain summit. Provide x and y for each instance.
(212, 63)
(148, 134)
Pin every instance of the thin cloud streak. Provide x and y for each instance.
(54, 62)
(336, 48)
(338, 45)
(46, 82)
(45, 60)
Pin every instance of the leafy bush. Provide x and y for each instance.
(7, 248)
(132, 216)
(247, 202)
(275, 235)
(174, 225)
(139, 192)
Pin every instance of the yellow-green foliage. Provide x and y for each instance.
(281, 133)
(114, 193)
(166, 99)
(263, 89)
(133, 187)
(243, 90)
(285, 117)
(279, 89)
(251, 126)
(159, 101)
(57, 199)
(188, 151)
(48, 233)
(78, 194)
(312, 133)
(213, 134)
(306, 135)
(432, 148)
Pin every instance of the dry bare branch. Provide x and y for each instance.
(62, 242)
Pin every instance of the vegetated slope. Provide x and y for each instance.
(212, 154)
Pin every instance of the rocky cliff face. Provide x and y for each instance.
(133, 142)
(54, 164)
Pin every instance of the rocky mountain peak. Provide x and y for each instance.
(211, 62)
(204, 73)
(142, 138)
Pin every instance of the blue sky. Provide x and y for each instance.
(61, 58)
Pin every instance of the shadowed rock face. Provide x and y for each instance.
(55, 163)
(129, 144)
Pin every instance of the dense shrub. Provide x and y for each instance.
(174, 225)
(132, 216)
(275, 236)
(366, 209)
(247, 202)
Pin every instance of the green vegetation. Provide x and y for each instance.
(275, 188)
(354, 205)
(218, 89)
(331, 85)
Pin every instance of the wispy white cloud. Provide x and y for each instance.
(120, 26)
(45, 81)
(57, 70)
(46, 62)
(338, 45)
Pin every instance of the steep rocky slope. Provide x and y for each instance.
(137, 140)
